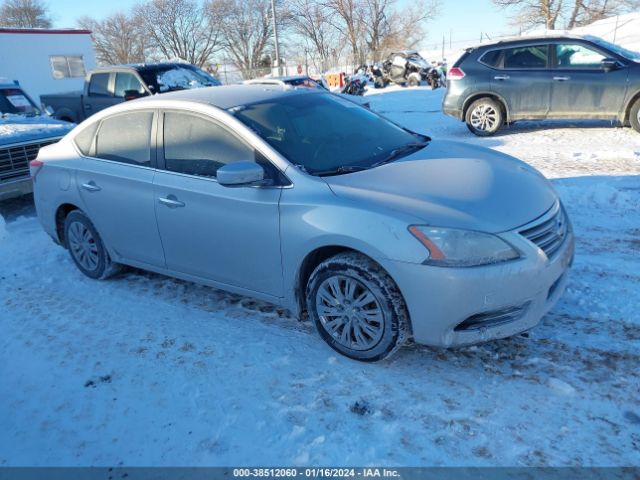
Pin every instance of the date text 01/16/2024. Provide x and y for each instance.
(315, 472)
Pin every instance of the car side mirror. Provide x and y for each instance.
(609, 64)
(242, 173)
(132, 95)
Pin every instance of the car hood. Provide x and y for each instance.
(454, 185)
(21, 129)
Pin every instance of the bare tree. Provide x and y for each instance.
(588, 11)
(182, 29)
(388, 27)
(247, 28)
(24, 14)
(313, 23)
(534, 12)
(348, 18)
(550, 13)
(118, 38)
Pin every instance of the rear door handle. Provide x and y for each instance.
(561, 79)
(91, 186)
(501, 77)
(171, 201)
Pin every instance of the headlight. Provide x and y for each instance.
(450, 247)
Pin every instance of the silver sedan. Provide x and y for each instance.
(301, 198)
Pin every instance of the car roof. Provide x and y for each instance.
(141, 67)
(532, 38)
(229, 96)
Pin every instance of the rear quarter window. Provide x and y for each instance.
(84, 139)
(491, 58)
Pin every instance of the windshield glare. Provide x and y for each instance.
(630, 54)
(14, 101)
(323, 132)
(175, 78)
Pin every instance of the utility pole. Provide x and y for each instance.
(275, 35)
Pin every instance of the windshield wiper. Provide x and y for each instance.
(342, 169)
(401, 151)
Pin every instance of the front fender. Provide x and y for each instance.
(329, 221)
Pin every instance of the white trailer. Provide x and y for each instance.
(44, 60)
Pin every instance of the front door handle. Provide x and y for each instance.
(91, 186)
(501, 77)
(561, 79)
(171, 201)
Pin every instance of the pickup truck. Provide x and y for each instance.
(107, 86)
(24, 129)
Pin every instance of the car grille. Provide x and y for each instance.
(493, 318)
(549, 233)
(14, 161)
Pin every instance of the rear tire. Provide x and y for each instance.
(357, 308)
(86, 248)
(484, 117)
(634, 116)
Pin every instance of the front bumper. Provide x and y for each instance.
(15, 187)
(461, 306)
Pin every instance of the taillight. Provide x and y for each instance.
(455, 73)
(34, 168)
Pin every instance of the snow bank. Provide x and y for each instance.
(623, 30)
(596, 193)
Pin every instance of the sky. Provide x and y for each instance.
(459, 20)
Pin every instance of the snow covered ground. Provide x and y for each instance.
(146, 370)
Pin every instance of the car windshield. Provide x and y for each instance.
(630, 54)
(327, 135)
(167, 79)
(13, 101)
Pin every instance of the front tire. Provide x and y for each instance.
(86, 248)
(357, 308)
(634, 116)
(484, 117)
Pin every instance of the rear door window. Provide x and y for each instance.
(529, 57)
(99, 85)
(126, 138)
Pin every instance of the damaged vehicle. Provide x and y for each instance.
(378, 234)
(405, 67)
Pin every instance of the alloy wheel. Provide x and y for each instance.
(484, 117)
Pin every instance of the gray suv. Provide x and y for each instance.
(538, 78)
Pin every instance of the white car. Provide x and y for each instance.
(302, 81)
